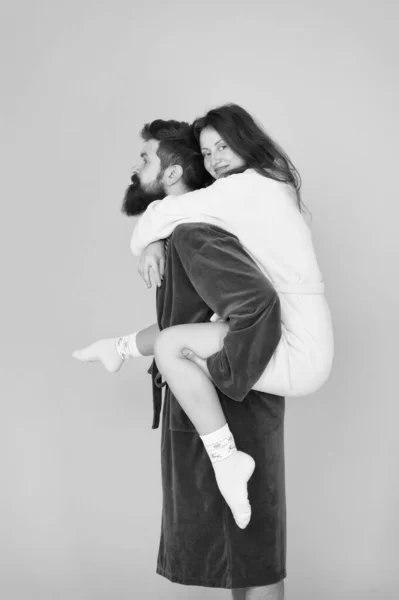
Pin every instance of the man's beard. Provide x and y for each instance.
(137, 199)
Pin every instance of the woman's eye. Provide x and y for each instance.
(222, 147)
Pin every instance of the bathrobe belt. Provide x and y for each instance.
(157, 385)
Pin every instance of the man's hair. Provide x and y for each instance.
(178, 146)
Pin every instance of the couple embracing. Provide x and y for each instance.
(242, 322)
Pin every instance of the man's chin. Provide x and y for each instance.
(136, 200)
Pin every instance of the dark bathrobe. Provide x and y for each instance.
(208, 271)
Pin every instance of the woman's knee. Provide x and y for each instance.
(202, 338)
(167, 349)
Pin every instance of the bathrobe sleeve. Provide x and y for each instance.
(230, 283)
(207, 205)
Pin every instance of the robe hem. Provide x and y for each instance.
(226, 584)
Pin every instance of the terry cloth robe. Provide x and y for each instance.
(208, 271)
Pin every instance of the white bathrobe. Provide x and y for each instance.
(263, 214)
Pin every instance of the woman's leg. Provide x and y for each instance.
(197, 396)
(105, 350)
(193, 390)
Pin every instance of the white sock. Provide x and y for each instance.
(133, 350)
(232, 471)
(219, 444)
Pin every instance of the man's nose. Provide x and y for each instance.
(135, 175)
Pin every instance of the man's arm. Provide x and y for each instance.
(232, 285)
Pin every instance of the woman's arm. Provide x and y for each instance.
(207, 205)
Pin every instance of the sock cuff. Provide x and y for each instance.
(216, 436)
(219, 444)
(133, 350)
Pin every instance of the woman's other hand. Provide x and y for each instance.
(104, 351)
(152, 263)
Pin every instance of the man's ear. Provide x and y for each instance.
(172, 175)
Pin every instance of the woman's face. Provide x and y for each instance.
(218, 156)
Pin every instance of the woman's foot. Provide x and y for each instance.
(103, 351)
(232, 476)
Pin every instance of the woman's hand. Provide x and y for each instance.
(200, 362)
(152, 263)
(104, 351)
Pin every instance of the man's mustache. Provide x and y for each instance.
(135, 179)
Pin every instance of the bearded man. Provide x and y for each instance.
(200, 542)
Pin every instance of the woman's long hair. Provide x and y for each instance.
(247, 139)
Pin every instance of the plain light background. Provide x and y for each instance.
(80, 486)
